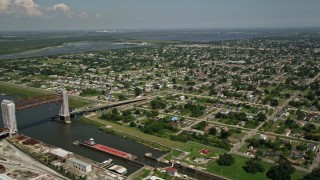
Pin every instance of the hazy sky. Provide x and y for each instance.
(154, 14)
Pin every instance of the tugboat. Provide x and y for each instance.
(90, 142)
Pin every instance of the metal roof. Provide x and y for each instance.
(77, 161)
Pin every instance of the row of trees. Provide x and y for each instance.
(114, 115)
(88, 92)
(196, 109)
(158, 103)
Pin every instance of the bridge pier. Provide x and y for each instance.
(64, 112)
(9, 116)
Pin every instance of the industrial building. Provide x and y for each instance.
(9, 116)
(118, 169)
(76, 163)
(61, 153)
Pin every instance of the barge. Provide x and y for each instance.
(91, 143)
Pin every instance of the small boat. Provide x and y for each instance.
(108, 161)
(76, 142)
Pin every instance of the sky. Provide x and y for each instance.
(156, 14)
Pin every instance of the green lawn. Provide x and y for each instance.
(135, 132)
(234, 171)
(142, 174)
(194, 149)
(58, 61)
(12, 90)
(163, 175)
(77, 103)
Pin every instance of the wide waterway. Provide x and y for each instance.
(71, 48)
(36, 123)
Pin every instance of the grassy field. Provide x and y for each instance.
(136, 133)
(12, 90)
(234, 171)
(77, 103)
(59, 61)
(142, 174)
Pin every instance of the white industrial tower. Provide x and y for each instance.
(9, 116)
(64, 110)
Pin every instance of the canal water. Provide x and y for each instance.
(36, 123)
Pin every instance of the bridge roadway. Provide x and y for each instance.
(105, 106)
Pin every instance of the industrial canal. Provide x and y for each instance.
(36, 123)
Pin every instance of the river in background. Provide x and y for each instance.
(101, 44)
(71, 48)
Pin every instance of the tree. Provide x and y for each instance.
(213, 131)
(261, 117)
(311, 95)
(132, 124)
(225, 160)
(224, 134)
(314, 175)
(201, 125)
(121, 97)
(281, 171)
(310, 155)
(259, 153)
(174, 80)
(301, 147)
(274, 102)
(158, 103)
(253, 166)
(137, 91)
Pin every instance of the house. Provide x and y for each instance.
(197, 132)
(295, 154)
(175, 118)
(225, 111)
(287, 131)
(301, 123)
(171, 171)
(205, 151)
(312, 147)
(263, 136)
(286, 114)
(272, 153)
(241, 123)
